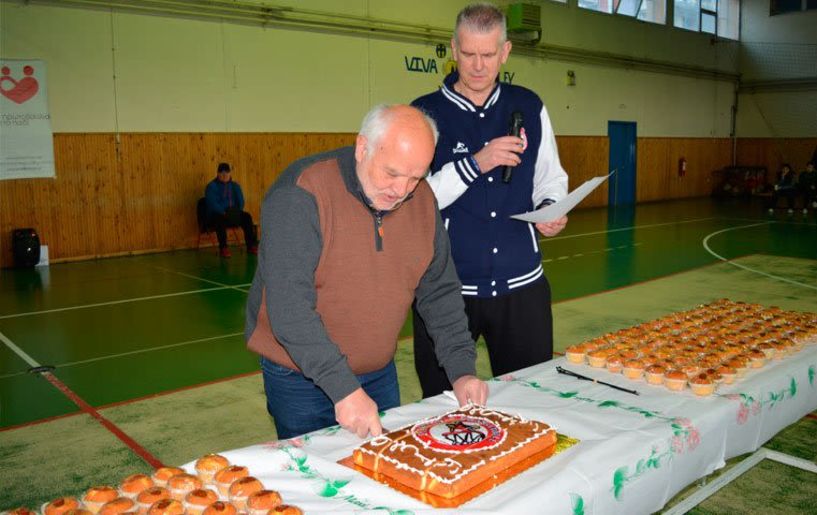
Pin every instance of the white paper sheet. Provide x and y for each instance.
(562, 207)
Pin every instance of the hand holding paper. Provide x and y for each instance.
(559, 209)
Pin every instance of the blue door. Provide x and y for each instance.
(621, 190)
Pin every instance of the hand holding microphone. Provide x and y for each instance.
(503, 151)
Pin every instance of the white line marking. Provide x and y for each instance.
(151, 349)
(17, 350)
(744, 267)
(15, 374)
(114, 302)
(189, 276)
(543, 238)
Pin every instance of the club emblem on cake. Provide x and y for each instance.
(457, 432)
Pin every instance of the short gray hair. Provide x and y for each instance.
(378, 119)
(482, 18)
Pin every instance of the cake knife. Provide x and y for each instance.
(579, 376)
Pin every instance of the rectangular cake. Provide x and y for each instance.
(450, 454)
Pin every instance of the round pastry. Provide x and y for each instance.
(220, 508)
(757, 358)
(575, 354)
(21, 510)
(675, 380)
(117, 506)
(655, 374)
(150, 496)
(162, 474)
(96, 496)
(727, 373)
(166, 507)
(702, 385)
(691, 370)
(241, 489)
(633, 369)
(766, 349)
(196, 501)
(614, 363)
(598, 357)
(229, 475)
(208, 465)
(261, 502)
(182, 484)
(134, 485)
(61, 505)
(78, 511)
(286, 509)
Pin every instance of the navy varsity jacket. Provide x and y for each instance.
(493, 253)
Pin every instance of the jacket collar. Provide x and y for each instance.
(448, 91)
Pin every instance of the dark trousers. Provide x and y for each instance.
(236, 218)
(790, 194)
(517, 327)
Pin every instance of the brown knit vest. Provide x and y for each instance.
(363, 295)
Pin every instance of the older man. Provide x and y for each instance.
(349, 238)
(507, 295)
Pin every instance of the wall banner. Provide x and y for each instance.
(26, 143)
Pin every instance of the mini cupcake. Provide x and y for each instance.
(655, 374)
(208, 465)
(702, 385)
(150, 496)
(691, 370)
(286, 509)
(134, 485)
(757, 358)
(614, 363)
(182, 484)
(727, 373)
(78, 511)
(261, 502)
(241, 489)
(60, 505)
(766, 349)
(198, 500)
(117, 506)
(96, 496)
(598, 357)
(675, 380)
(166, 507)
(21, 510)
(633, 369)
(162, 474)
(220, 508)
(575, 353)
(227, 476)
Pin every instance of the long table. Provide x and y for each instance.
(634, 452)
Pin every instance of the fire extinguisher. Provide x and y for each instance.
(682, 167)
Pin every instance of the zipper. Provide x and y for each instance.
(378, 230)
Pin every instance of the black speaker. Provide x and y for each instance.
(25, 246)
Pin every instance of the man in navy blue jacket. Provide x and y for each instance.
(225, 208)
(507, 296)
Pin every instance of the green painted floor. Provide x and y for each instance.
(120, 331)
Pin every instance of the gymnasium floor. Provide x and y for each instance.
(149, 365)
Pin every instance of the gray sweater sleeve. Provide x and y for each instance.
(290, 249)
(439, 303)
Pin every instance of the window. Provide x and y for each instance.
(653, 11)
(717, 17)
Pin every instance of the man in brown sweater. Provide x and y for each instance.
(350, 237)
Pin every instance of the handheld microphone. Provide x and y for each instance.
(514, 130)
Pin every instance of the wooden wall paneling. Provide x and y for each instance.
(585, 157)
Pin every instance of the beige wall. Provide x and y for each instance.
(178, 74)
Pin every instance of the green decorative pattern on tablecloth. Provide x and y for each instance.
(749, 405)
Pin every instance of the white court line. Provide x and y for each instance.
(738, 265)
(17, 350)
(114, 302)
(190, 276)
(545, 238)
(151, 349)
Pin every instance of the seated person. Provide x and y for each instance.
(225, 208)
(784, 187)
(808, 186)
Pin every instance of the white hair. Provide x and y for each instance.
(378, 120)
(482, 18)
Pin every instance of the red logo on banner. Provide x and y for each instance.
(21, 90)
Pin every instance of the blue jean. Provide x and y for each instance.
(298, 406)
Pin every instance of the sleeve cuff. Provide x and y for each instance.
(458, 370)
(468, 169)
(339, 385)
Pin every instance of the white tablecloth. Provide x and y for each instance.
(635, 452)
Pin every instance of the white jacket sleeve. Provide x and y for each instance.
(549, 178)
(453, 179)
